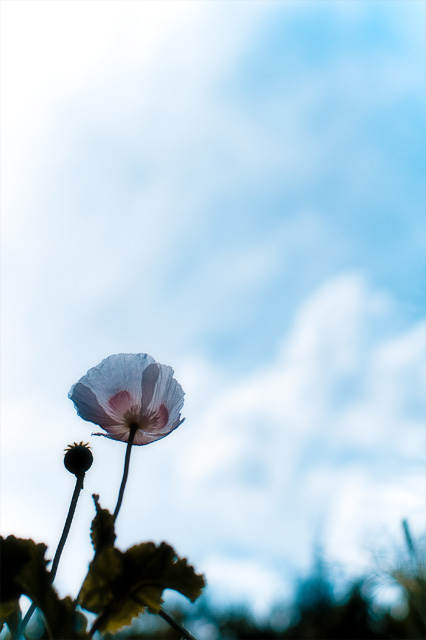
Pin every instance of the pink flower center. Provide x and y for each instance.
(120, 401)
(156, 419)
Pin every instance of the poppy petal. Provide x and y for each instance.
(127, 389)
(149, 380)
(88, 406)
(119, 372)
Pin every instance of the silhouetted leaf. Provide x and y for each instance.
(24, 573)
(162, 566)
(102, 530)
(10, 613)
(98, 588)
(61, 618)
(119, 586)
(19, 558)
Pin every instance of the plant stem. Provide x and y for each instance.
(67, 526)
(185, 634)
(176, 626)
(61, 544)
(125, 470)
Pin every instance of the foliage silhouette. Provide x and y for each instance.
(315, 613)
(119, 586)
(24, 572)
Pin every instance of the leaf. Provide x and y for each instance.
(119, 586)
(98, 588)
(8, 609)
(24, 573)
(18, 557)
(162, 566)
(10, 613)
(102, 530)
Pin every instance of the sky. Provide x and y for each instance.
(237, 189)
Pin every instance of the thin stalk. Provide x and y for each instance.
(176, 626)
(125, 470)
(67, 526)
(61, 543)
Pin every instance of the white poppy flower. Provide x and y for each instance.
(130, 393)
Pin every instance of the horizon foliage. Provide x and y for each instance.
(316, 612)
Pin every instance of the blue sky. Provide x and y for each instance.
(237, 189)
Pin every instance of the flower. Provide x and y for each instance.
(128, 392)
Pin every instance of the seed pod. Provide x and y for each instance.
(78, 458)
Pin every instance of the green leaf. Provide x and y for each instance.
(119, 586)
(10, 613)
(19, 557)
(98, 588)
(24, 573)
(161, 566)
(102, 530)
(8, 609)
(61, 618)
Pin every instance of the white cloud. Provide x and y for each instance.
(313, 443)
(317, 441)
(121, 153)
(244, 581)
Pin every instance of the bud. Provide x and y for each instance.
(78, 458)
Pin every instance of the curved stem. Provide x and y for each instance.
(61, 543)
(176, 626)
(168, 618)
(97, 623)
(67, 526)
(125, 470)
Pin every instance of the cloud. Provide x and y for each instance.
(158, 177)
(317, 441)
(237, 580)
(232, 210)
(320, 442)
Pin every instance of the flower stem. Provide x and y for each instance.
(175, 625)
(125, 470)
(61, 544)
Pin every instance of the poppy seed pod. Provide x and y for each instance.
(78, 458)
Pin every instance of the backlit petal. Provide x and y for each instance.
(88, 406)
(168, 392)
(126, 390)
(149, 380)
(119, 372)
